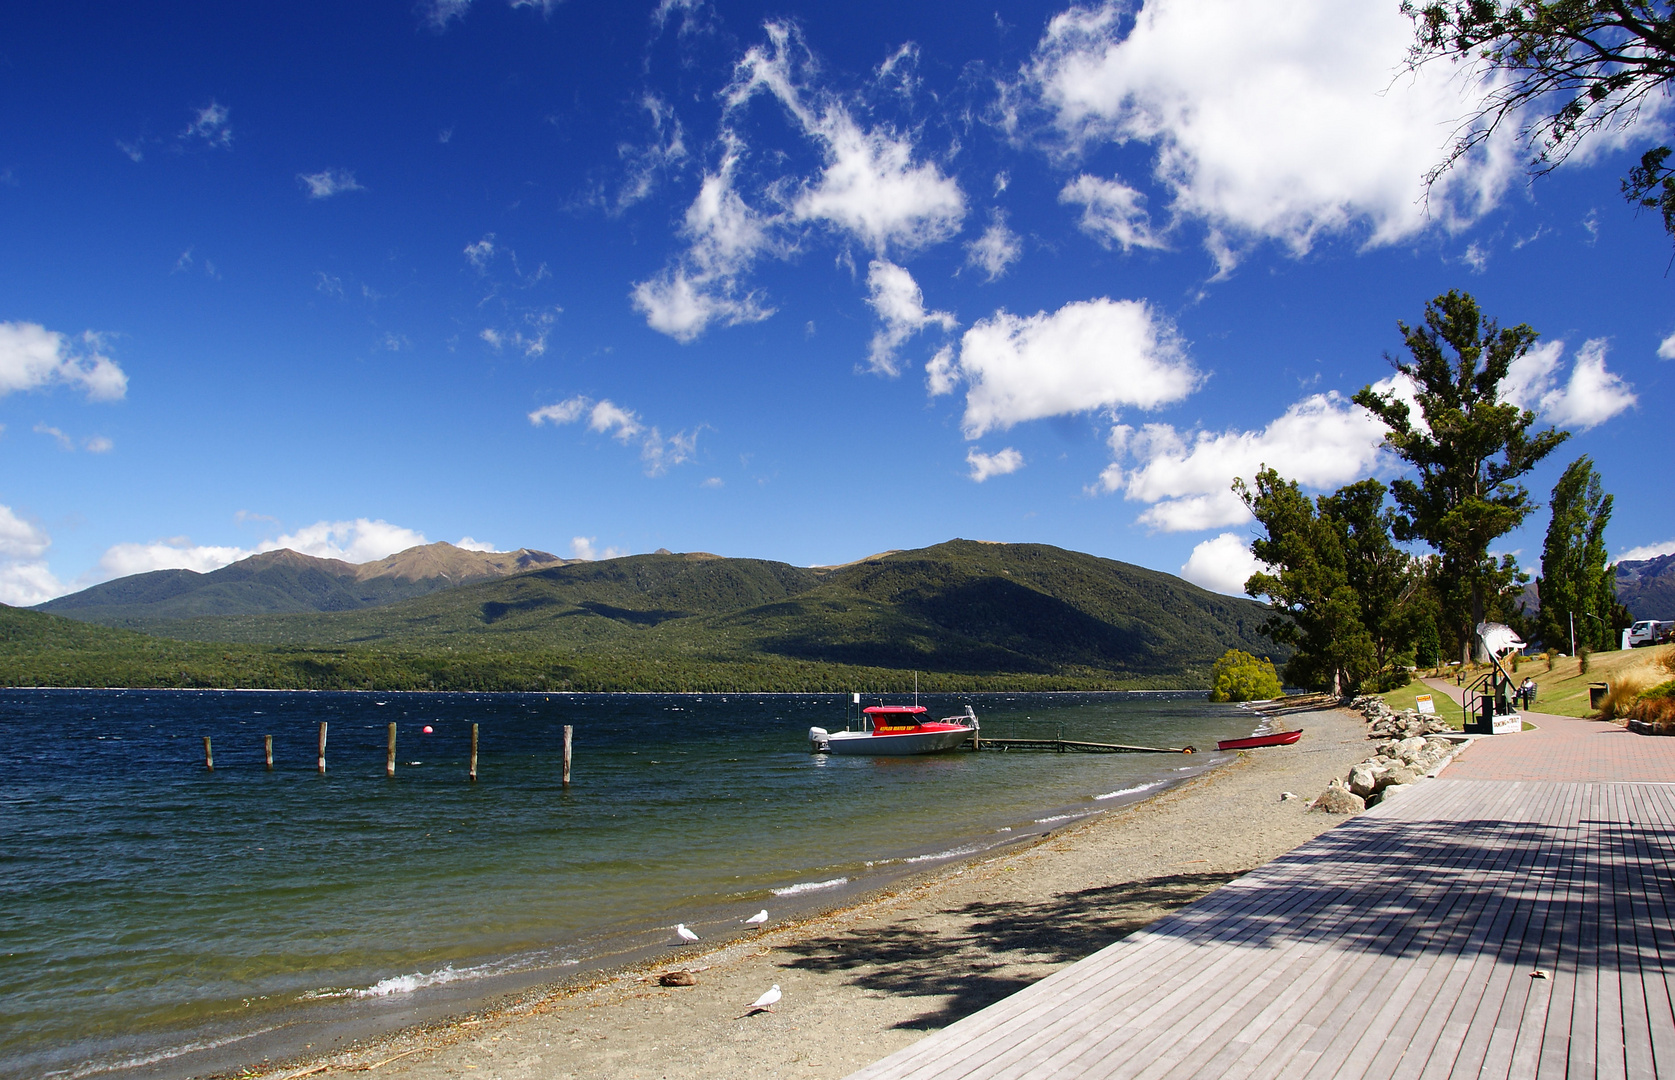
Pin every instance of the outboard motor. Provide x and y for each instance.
(819, 740)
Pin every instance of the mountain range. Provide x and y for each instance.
(964, 610)
(1647, 587)
(285, 581)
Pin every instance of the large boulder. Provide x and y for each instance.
(1400, 776)
(1364, 778)
(1338, 799)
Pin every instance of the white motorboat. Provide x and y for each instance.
(896, 730)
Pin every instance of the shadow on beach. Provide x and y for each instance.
(977, 954)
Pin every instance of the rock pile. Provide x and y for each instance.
(1407, 751)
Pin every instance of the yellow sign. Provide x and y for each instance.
(1424, 703)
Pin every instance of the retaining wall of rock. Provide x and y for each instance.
(1408, 750)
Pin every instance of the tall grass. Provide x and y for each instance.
(1629, 684)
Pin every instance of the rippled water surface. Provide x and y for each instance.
(151, 910)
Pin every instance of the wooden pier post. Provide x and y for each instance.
(568, 731)
(473, 753)
(322, 748)
(267, 748)
(389, 755)
(209, 755)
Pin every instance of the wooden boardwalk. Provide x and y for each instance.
(1472, 927)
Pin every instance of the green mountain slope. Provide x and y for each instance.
(962, 613)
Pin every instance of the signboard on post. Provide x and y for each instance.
(1508, 723)
(1425, 703)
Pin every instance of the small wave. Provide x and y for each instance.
(810, 886)
(406, 984)
(1057, 817)
(324, 994)
(951, 853)
(1120, 792)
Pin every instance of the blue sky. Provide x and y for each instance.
(798, 282)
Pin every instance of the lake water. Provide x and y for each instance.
(159, 919)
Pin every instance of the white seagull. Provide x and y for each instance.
(759, 918)
(765, 1003)
(684, 933)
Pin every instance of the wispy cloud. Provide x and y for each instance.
(657, 453)
(328, 182)
(996, 250)
(900, 306)
(211, 124)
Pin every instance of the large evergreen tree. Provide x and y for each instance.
(1468, 448)
(1575, 576)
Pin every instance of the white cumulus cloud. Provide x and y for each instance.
(1222, 564)
(1590, 396)
(24, 576)
(1001, 463)
(328, 182)
(1648, 551)
(584, 547)
(358, 540)
(32, 357)
(1666, 348)
(1090, 354)
(900, 305)
(1322, 442)
(1286, 122)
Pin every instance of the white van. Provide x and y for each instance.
(1646, 632)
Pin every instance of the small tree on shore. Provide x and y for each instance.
(1239, 676)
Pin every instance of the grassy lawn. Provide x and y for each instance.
(1563, 690)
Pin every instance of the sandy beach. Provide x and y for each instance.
(870, 978)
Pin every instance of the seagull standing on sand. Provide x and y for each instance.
(765, 1003)
(759, 918)
(684, 933)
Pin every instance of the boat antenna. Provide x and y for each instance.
(915, 689)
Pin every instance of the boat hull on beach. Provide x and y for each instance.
(1277, 738)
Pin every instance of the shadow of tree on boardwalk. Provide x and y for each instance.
(1590, 894)
(994, 949)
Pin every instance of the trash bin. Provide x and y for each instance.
(1597, 693)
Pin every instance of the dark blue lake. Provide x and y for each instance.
(157, 918)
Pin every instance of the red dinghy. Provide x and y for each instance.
(1278, 738)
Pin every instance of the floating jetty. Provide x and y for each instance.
(1070, 746)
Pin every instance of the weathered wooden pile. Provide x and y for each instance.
(1409, 749)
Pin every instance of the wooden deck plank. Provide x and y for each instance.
(1395, 946)
(1391, 1033)
(1292, 903)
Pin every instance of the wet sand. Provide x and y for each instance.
(870, 978)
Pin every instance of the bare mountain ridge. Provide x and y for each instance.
(1647, 587)
(289, 582)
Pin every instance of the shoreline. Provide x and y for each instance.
(896, 963)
